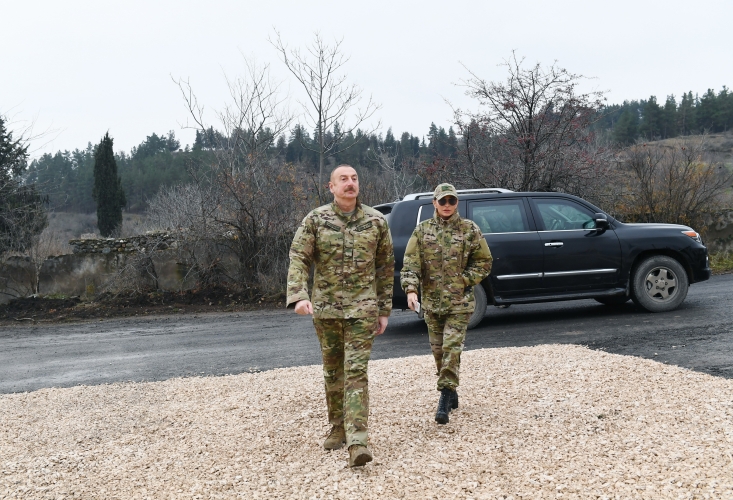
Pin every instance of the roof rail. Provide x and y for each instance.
(418, 196)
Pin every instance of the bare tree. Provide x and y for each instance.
(333, 107)
(532, 132)
(396, 177)
(676, 183)
(254, 118)
(246, 202)
(191, 214)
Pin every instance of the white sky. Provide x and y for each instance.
(84, 67)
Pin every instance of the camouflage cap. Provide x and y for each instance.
(443, 190)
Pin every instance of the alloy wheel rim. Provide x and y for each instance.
(661, 284)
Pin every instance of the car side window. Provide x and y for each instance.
(426, 212)
(499, 216)
(564, 215)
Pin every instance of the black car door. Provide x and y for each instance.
(576, 255)
(514, 243)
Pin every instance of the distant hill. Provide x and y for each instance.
(715, 143)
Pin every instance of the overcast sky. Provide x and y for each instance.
(81, 68)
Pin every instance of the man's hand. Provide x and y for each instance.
(304, 307)
(382, 324)
(412, 300)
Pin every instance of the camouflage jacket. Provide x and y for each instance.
(446, 258)
(354, 263)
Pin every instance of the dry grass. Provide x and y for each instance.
(70, 225)
(716, 143)
(721, 262)
(534, 422)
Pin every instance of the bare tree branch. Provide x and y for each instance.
(333, 107)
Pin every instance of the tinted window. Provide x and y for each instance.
(499, 216)
(564, 215)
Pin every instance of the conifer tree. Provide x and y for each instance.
(669, 118)
(627, 128)
(651, 123)
(22, 211)
(108, 191)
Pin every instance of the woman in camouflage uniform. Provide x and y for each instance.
(446, 256)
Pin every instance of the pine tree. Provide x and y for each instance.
(651, 123)
(22, 211)
(669, 118)
(452, 143)
(724, 113)
(627, 128)
(107, 191)
(687, 114)
(706, 112)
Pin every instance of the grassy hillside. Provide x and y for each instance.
(721, 143)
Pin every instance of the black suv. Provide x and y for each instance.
(553, 246)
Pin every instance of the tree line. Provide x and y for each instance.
(66, 178)
(651, 120)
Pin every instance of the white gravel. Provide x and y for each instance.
(534, 422)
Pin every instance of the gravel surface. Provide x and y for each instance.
(534, 422)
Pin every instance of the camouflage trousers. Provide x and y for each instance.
(447, 333)
(346, 345)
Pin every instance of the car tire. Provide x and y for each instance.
(659, 284)
(616, 300)
(480, 311)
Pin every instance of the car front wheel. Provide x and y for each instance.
(478, 314)
(659, 284)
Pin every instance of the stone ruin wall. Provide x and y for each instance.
(92, 263)
(719, 234)
(162, 240)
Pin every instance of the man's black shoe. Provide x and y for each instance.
(454, 401)
(444, 404)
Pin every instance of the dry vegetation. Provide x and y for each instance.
(721, 262)
(69, 225)
(534, 422)
(716, 143)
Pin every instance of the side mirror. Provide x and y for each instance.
(601, 221)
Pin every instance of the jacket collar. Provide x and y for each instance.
(358, 212)
(451, 221)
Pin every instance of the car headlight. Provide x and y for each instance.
(694, 235)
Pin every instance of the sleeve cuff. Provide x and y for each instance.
(294, 299)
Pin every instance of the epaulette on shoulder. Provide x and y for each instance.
(372, 212)
(320, 211)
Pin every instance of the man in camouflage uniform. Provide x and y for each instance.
(351, 248)
(446, 256)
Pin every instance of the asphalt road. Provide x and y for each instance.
(698, 336)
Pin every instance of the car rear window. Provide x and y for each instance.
(499, 216)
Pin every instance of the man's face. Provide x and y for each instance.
(448, 209)
(344, 184)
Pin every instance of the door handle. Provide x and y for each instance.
(554, 244)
